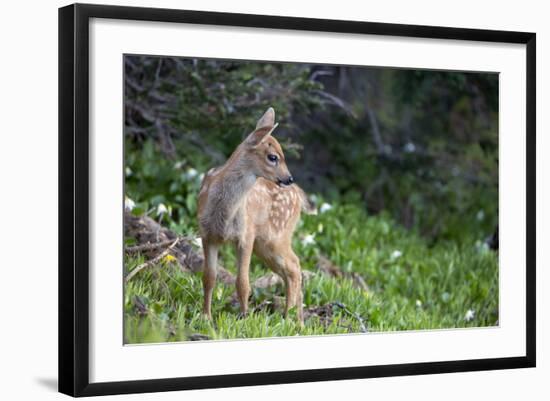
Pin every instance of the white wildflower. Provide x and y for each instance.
(309, 239)
(179, 164)
(418, 303)
(129, 204)
(191, 173)
(128, 171)
(482, 246)
(470, 314)
(480, 215)
(409, 147)
(349, 266)
(325, 207)
(197, 242)
(396, 254)
(201, 177)
(161, 209)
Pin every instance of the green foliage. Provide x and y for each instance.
(208, 106)
(224, 99)
(412, 285)
(421, 145)
(152, 180)
(434, 167)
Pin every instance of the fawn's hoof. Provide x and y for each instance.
(242, 315)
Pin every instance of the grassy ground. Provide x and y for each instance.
(411, 285)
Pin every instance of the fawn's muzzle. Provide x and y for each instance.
(288, 181)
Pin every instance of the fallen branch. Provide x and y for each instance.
(150, 262)
(356, 315)
(146, 231)
(148, 247)
(150, 236)
(268, 280)
(325, 266)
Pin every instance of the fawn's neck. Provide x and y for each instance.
(234, 180)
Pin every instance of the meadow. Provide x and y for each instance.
(383, 278)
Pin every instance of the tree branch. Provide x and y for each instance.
(150, 262)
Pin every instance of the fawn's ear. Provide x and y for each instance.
(267, 120)
(264, 127)
(258, 135)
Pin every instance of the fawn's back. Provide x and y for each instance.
(274, 210)
(268, 210)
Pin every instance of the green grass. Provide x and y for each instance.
(413, 285)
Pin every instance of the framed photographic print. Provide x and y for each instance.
(250, 199)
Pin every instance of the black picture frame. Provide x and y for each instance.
(74, 201)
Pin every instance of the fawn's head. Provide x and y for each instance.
(264, 154)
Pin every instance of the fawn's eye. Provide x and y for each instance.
(272, 158)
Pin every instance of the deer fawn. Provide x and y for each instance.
(251, 202)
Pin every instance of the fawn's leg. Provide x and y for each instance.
(209, 275)
(293, 280)
(283, 261)
(244, 253)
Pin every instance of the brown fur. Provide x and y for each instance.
(242, 202)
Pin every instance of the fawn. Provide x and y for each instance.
(251, 201)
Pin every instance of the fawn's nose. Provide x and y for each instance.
(289, 180)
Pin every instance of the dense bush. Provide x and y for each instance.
(420, 145)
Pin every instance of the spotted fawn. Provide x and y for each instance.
(253, 202)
